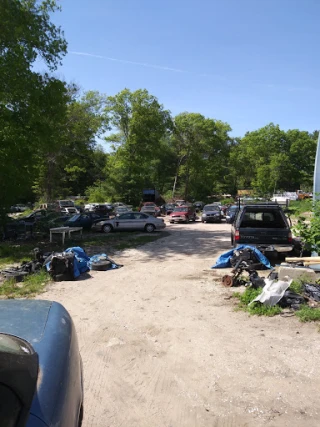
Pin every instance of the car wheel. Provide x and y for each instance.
(202, 221)
(107, 228)
(100, 265)
(194, 219)
(149, 228)
(171, 222)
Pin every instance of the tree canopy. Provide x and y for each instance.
(51, 133)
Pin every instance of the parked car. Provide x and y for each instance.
(120, 210)
(211, 213)
(198, 206)
(168, 208)
(183, 214)
(35, 216)
(84, 220)
(18, 208)
(130, 221)
(41, 369)
(70, 210)
(118, 204)
(264, 226)
(180, 202)
(89, 207)
(65, 204)
(231, 213)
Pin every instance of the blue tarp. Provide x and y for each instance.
(224, 260)
(82, 262)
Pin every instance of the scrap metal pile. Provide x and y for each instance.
(246, 261)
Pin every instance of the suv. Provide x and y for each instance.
(182, 214)
(264, 226)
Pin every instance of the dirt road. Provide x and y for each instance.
(162, 347)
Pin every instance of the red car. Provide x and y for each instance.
(183, 214)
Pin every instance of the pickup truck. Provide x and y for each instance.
(264, 226)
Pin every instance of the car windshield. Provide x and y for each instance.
(74, 218)
(233, 208)
(211, 208)
(181, 209)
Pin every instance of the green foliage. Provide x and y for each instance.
(27, 98)
(308, 229)
(297, 286)
(298, 207)
(256, 308)
(308, 314)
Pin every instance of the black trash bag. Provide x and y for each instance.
(62, 266)
(256, 280)
(312, 291)
(291, 299)
(245, 257)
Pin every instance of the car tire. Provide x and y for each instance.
(171, 222)
(194, 219)
(100, 265)
(107, 228)
(149, 228)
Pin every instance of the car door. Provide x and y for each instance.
(140, 220)
(124, 222)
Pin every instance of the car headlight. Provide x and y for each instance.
(204, 214)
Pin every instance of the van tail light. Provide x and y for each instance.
(237, 235)
(290, 237)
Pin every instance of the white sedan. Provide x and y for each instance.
(130, 221)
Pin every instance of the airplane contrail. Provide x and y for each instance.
(124, 61)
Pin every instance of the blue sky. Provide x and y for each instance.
(246, 62)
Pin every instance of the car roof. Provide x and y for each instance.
(47, 326)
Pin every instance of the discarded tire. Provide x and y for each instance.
(101, 265)
(18, 276)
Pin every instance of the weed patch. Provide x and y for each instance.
(256, 308)
(32, 285)
(296, 286)
(308, 314)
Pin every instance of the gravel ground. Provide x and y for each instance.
(162, 345)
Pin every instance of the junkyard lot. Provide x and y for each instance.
(162, 346)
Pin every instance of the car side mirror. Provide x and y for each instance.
(19, 366)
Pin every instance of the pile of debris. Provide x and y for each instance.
(67, 265)
(275, 288)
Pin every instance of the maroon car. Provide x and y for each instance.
(183, 214)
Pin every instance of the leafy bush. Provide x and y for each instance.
(308, 229)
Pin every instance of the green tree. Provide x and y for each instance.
(201, 146)
(26, 33)
(140, 123)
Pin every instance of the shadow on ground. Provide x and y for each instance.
(184, 240)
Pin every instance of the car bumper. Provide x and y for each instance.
(176, 219)
(265, 248)
(211, 219)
